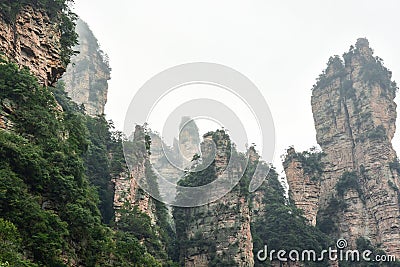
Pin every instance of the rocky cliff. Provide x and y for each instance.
(88, 73)
(57, 163)
(218, 233)
(357, 194)
(303, 171)
(31, 39)
(226, 232)
(127, 192)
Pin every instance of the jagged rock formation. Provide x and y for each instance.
(188, 143)
(32, 40)
(224, 226)
(166, 163)
(218, 233)
(170, 162)
(304, 187)
(228, 231)
(57, 218)
(354, 115)
(88, 73)
(162, 161)
(127, 189)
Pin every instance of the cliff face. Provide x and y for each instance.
(229, 231)
(224, 227)
(127, 190)
(88, 73)
(169, 162)
(357, 194)
(304, 187)
(32, 40)
(216, 234)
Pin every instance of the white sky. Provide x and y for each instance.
(282, 46)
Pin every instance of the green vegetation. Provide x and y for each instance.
(104, 155)
(346, 90)
(348, 180)
(335, 68)
(395, 165)
(372, 72)
(55, 170)
(184, 216)
(95, 62)
(58, 11)
(43, 174)
(283, 225)
(278, 224)
(375, 72)
(104, 160)
(378, 133)
(311, 161)
(11, 246)
(326, 219)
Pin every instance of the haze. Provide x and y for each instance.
(282, 46)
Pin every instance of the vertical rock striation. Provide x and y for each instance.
(218, 233)
(355, 115)
(304, 186)
(127, 189)
(32, 40)
(88, 73)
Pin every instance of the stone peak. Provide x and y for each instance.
(362, 43)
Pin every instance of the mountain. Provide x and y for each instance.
(351, 189)
(86, 78)
(38, 36)
(75, 192)
(56, 162)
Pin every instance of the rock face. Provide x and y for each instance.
(170, 162)
(6, 108)
(127, 189)
(304, 188)
(163, 159)
(357, 194)
(33, 41)
(224, 226)
(88, 73)
(218, 233)
(189, 141)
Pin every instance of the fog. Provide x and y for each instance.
(282, 46)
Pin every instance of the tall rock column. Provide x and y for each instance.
(127, 188)
(304, 181)
(355, 115)
(88, 73)
(218, 233)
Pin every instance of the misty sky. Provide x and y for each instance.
(282, 46)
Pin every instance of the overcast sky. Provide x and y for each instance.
(282, 46)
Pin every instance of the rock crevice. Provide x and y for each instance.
(33, 41)
(354, 115)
